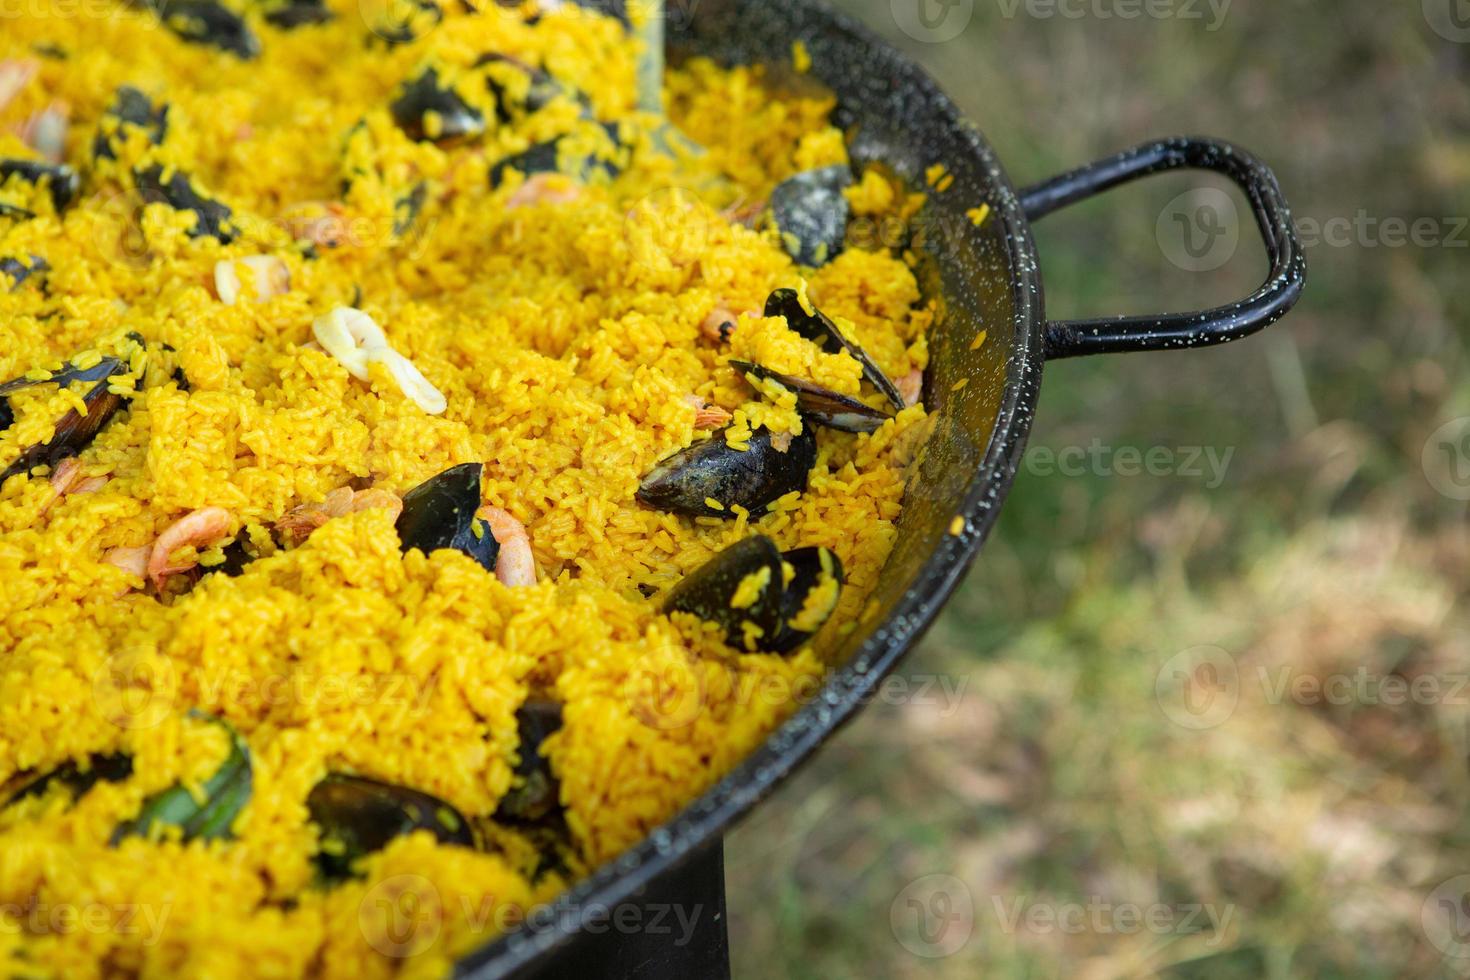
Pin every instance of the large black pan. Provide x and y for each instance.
(985, 279)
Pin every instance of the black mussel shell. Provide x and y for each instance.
(748, 572)
(70, 374)
(63, 180)
(711, 470)
(225, 795)
(407, 208)
(20, 270)
(818, 327)
(811, 214)
(810, 597)
(544, 88)
(130, 107)
(419, 17)
(358, 816)
(552, 157)
(100, 769)
(74, 432)
(291, 14)
(440, 514)
(206, 22)
(179, 193)
(424, 94)
(536, 793)
(819, 404)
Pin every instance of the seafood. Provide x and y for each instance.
(206, 22)
(268, 277)
(207, 816)
(811, 214)
(516, 565)
(74, 431)
(129, 108)
(533, 798)
(441, 513)
(20, 270)
(812, 324)
(429, 109)
(179, 193)
(819, 404)
(693, 481)
(357, 342)
(356, 816)
(198, 528)
(62, 180)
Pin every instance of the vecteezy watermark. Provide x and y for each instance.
(95, 918)
(1099, 917)
(1211, 12)
(1446, 459)
(135, 689)
(932, 21)
(1207, 463)
(1450, 19)
(404, 916)
(1199, 230)
(58, 9)
(1198, 688)
(1445, 917)
(933, 917)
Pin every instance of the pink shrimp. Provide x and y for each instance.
(199, 528)
(718, 326)
(303, 520)
(911, 387)
(707, 416)
(542, 189)
(134, 561)
(516, 564)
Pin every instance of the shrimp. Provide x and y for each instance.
(516, 564)
(323, 223)
(911, 387)
(201, 527)
(707, 416)
(718, 326)
(543, 189)
(45, 131)
(303, 520)
(134, 561)
(15, 75)
(66, 480)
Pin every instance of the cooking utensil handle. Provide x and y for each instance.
(1283, 286)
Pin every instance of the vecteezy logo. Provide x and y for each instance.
(1446, 459)
(1198, 688)
(1450, 19)
(1445, 917)
(401, 916)
(1199, 230)
(933, 917)
(135, 689)
(932, 21)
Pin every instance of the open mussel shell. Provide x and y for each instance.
(440, 514)
(810, 598)
(179, 193)
(821, 405)
(74, 432)
(402, 21)
(819, 328)
(291, 14)
(428, 109)
(542, 88)
(739, 589)
(811, 214)
(206, 817)
(535, 796)
(205, 22)
(357, 816)
(20, 270)
(753, 478)
(130, 107)
(558, 157)
(62, 180)
(74, 779)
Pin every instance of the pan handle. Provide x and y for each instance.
(1283, 286)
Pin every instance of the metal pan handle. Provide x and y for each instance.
(1283, 286)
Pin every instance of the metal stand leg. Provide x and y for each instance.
(673, 930)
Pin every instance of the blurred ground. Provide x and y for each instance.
(1209, 723)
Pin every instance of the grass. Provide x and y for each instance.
(1064, 772)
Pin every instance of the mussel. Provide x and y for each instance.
(407, 208)
(210, 818)
(541, 88)
(74, 432)
(291, 14)
(567, 155)
(179, 193)
(440, 514)
(744, 590)
(428, 109)
(536, 793)
(712, 472)
(358, 816)
(75, 779)
(61, 179)
(811, 214)
(129, 108)
(206, 22)
(810, 597)
(819, 404)
(20, 270)
(818, 327)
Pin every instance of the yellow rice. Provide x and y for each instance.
(566, 339)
